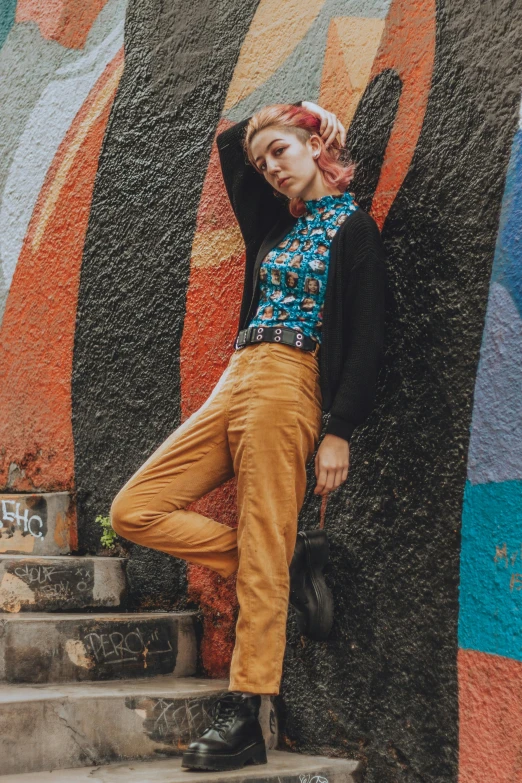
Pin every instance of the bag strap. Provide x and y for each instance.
(322, 511)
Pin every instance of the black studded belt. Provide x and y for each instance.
(276, 334)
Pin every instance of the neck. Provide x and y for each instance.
(318, 188)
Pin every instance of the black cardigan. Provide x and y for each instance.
(353, 316)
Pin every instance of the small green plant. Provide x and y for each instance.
(108, 537)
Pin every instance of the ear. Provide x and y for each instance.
(315, 144)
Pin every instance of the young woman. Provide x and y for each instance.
(309, 340)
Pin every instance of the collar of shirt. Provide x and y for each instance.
(315, 205)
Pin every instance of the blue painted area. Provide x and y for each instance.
(507, 267)
(490, 618)
(491, 569)
(7, 17)
(495, 450)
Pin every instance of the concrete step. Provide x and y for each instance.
(282, 767)
(73, 725)
(46, 648)
(37, 524)
(50, 583)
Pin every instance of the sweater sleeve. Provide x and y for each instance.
(255, 206)
(364, 324)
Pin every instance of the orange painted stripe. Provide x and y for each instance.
(37, 334)
(408, 47)
(490, 718)
(212, 311)
(66, 21)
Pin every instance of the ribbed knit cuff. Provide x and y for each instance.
(340, 427)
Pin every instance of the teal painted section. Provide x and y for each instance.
(7, 17)
(491, 569)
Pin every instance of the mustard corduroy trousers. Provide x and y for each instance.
(261, 423)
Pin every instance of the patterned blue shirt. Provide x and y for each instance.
(292, 276)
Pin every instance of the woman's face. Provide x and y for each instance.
(285, 161)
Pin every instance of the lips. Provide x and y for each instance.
(281, 182)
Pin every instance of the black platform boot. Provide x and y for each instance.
(234, 737)
(309, 594)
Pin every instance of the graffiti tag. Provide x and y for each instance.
(54, 582)
(171, 721)
(115, 647)
(31, 524)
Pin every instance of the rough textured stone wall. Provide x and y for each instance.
(114, 219)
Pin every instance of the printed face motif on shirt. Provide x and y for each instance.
(312, 285)
(292, 276)
(317, 265)
(291, 279)
(296, 260)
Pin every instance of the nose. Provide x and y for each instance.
(272, 167)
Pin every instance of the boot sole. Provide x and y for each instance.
(255, 754)
(316, 622)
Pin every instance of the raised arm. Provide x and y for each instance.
(252, 198)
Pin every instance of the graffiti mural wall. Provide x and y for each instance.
(114, 220)
(59, 72)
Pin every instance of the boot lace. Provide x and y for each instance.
(222, 713)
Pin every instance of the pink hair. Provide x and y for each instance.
(303, 123)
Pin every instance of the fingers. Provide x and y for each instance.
(326, 482)
(342, 133)
(332, 462)
(322, 477)
(333, 132)
(330, 127)
(328, 479)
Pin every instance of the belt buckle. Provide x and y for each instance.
(316, 349)
(241, 342)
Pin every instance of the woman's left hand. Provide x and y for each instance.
(331, 464)
(331, 125)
